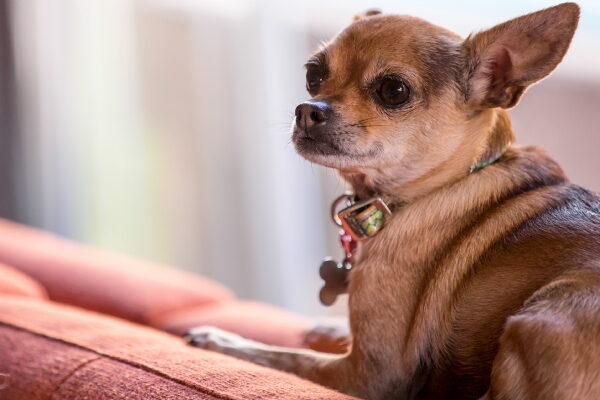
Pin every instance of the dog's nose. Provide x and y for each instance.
(311, 113)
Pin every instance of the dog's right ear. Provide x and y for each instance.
(504, 60)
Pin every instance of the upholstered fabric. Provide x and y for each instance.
(112, 284)
(257, 321)
(53, 351)
(14, 282)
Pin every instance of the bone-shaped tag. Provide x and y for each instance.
(335, 275)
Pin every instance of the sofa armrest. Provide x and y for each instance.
(56, 351)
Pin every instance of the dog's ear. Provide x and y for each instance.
(504, 60)
(367, 14)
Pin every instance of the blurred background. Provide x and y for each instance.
(160, 128)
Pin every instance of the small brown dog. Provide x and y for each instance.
(485, 281)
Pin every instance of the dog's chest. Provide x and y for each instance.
(386, 288)
(400, 296)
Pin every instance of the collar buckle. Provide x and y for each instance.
(363, 219)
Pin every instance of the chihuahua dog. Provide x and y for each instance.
(484, 282)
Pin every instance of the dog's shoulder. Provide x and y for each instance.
(569, 211)
(571, 226)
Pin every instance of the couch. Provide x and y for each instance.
(79, 323)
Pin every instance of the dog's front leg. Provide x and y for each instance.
(333, 371)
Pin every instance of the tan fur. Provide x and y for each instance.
(481, 285)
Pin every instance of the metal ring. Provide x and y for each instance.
(334, 206)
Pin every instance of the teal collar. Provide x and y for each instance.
(481, 164)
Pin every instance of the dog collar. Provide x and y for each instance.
(481, 164)
(360, 219)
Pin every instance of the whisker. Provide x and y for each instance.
(363, 121)
(368, 126)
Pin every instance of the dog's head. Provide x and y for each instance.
(397, 100)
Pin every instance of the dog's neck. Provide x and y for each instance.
(494, 134)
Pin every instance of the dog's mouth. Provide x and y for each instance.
(307, 145)
(333, 150)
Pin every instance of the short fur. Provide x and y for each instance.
(483, 285)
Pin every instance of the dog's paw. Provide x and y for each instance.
(215, 339)
(328, 337)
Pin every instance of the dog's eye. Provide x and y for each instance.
(314, 76)
(392, 91)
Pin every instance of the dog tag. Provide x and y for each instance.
(335, 275)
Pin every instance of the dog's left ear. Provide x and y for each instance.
(367, 14)
(504, 60)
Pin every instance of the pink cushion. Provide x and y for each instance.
(113, 284)
(253, 320)
(16, 283)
